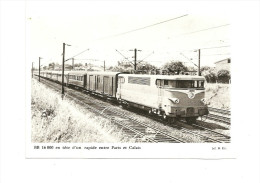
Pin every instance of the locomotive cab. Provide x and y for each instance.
(182, 97)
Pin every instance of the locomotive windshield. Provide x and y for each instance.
(180, 83)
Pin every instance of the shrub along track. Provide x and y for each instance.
(134, 127)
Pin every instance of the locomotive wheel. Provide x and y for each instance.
(191, 120)
(166, 118)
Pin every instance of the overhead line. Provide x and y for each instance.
(217, 54)
(120, 34)
(78, 54)
(134, 30)
(215, 47)
(202, 30)
(122, 55)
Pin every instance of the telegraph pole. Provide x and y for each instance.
(62, 83)
(135, 50)
(135, 60)
(63, 63)
(104, 65)
(39, 68)
(199, 74)
(72, 63)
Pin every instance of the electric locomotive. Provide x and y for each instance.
(170, 96)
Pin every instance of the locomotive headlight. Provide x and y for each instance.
(175, 100)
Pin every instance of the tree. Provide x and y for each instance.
(223, 76)
(68, 67)
(210, 75)
(145, 67)
(78, 65)
(51, 66)
(175, 66)
(205, 68)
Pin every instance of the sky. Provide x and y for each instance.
(111, 31)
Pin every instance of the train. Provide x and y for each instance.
(172, 97)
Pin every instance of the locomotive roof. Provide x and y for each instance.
(169, 77)
(77, 72)
(109, 73)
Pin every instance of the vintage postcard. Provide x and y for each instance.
(140, 91)
(113, 84)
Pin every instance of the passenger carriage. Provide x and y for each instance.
(102, 83)
(76, 78)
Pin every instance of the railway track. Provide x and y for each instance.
(220, 111)
(219, 115)
(134, 127)
(219, 118)
(211, 135)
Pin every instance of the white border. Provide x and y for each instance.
(245, 112)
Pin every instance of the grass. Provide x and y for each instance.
(218, 95)
(55, 120)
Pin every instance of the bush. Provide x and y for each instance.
(210, 75)
(223, 76)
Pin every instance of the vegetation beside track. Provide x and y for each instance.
(218, 95)
(55, 120)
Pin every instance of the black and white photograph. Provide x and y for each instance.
(130, 78)
(169, 89)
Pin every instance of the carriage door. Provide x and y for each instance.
(106, 85)
(119, 86)
(92, 83)
(84, 81)
(159, 84)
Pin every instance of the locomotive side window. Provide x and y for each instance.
(158, 82)
(166, 82)
(190, 84)
(201, 84)
(139, 80)
(121, 79)
(179, 83)
(169, 83)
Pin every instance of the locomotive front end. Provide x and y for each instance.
(183, 97)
